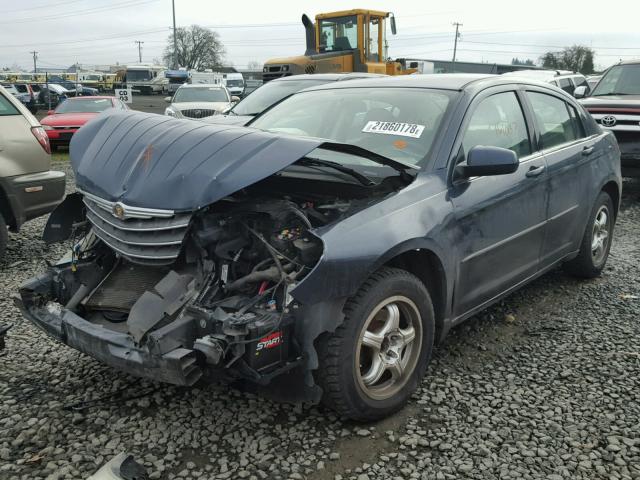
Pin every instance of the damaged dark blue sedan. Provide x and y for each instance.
(323, 251)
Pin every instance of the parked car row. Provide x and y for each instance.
(323, 249)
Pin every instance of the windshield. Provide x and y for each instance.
(138, 75)
(92, 77)
(271, 93)
(396, 123)
(234, 83)
(201, 94)
(338, 34)
(619, 80)
(84, 105)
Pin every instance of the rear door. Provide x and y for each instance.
(500, 219)
(567, 151)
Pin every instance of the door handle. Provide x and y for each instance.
(535, 171)
(587, 150)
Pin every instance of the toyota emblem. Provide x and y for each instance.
(118, 211)
(609, 121)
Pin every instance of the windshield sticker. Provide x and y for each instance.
(412, 130)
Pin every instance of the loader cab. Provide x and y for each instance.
(358, 32)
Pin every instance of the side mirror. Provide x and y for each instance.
(235, 99)
(167, 99)
(485, 161)
(580, 92)
(392, 21)
(51, 112)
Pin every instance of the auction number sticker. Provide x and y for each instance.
(412, 130)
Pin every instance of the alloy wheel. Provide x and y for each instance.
(388, 347)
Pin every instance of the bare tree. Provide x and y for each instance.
(253, 65)
(577, 58)
(198, 48)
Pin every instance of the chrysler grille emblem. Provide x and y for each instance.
(608, 121)
(118, 211)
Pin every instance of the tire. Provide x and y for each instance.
(348, 370)
(592, 258)
(4, 237)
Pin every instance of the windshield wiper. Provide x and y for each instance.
(402, 167)
(317, 162)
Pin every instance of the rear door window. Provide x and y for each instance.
(498, 121)
(554, 120)
(6, 107)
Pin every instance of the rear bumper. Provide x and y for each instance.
(113, 348)
(60, 137)
(35, 194)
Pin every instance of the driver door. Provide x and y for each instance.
(500, 219)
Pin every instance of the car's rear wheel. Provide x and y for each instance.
(371, 364)
(596, 242)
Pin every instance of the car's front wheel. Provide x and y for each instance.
(596, 242)
(371, 364)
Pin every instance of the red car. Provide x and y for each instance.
(72, 114)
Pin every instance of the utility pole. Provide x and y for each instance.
(175, 41)
(35, 57)
(455, 46)
(139, 50)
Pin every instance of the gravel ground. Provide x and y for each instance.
(544, 385)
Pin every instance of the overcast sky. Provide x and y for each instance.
(98, 32)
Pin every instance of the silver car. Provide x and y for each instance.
(28, 188)
(199, 101)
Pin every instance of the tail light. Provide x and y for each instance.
(42, 138)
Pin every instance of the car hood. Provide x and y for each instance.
(228, 119)
(155, 161)
(219, 106)
(612, 101)
(68, 119)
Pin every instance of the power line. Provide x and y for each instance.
(58, 4)
(78, 13)
(86, 40)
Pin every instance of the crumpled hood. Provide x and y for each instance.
(155, 161)
(228, 119)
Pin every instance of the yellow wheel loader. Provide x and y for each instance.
(345, 41)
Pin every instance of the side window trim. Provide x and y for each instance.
(471, 108)
(531, 89)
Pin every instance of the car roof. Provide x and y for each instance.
(543, 74)
(440, 81)
(195, 85)
(328, 77)
(634, 61)
(92, 97)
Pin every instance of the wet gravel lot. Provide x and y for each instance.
(544, 385)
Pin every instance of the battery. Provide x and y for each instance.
(270, 349)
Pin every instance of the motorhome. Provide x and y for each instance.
(208, 77)
(146, 78)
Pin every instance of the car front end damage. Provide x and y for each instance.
(203, 291)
